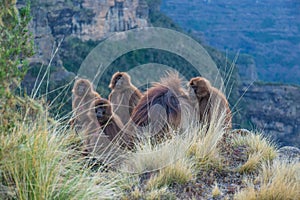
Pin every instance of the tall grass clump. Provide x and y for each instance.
(204, 150)
(259, 149)
(179, 172)
(204, 146)
(279, 180)
(197, 143)
(150, 157)
(39, 160)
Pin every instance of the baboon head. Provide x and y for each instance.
(82, 87)
(103, 110)
(199, 87)
(120, 80)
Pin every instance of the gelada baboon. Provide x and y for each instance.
(124, 96)
(84, 95)
(111, 124)
(210, 102)
(162, 106)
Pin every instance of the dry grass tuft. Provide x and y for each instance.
(252, 164)
(136, 193)
(150, 157)
(278, 180)
(216, 192)
(161, 193)
(248, 194)
(179, 172)
(40, 161)
(204, 147)
(259, 150)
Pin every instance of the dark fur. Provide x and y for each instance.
(124, 96)
(162, 96)
(110, 123)
(208, 98)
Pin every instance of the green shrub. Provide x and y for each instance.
(16, 45)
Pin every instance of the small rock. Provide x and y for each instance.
(232, 188)
(289, 153)
(242, 132)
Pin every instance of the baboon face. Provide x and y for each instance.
(198, 87)
(82, 88)
(100, 111)
(103, 110)
(119, 80)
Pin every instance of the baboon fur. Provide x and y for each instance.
(84, 96)
(124, 96)
(209, 101)
(111, 124)
(162, 106)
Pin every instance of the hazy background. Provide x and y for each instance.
(266, 29)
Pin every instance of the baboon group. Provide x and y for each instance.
(125, 116)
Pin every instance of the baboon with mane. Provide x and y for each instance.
(162, 106)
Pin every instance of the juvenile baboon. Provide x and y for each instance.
(209, 101)
(161, 107)
(84, 96)
(111, 124)
(124, 96)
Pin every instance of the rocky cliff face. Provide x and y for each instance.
(86, 19)
(89, 19)
(275, 109)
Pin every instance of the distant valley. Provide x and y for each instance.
(267, 30)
